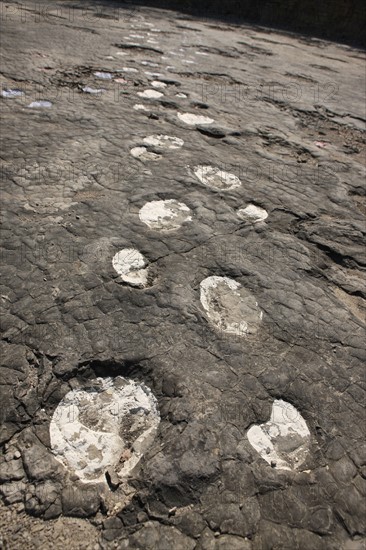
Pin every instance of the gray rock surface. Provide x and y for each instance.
(289, 119)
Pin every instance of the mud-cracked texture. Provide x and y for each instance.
(288, 121)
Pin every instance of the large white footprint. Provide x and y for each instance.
(165, 215)
(252, 213)
(143, 154)
(284, 440)
(229, 306)
(130, 265)
(213, 177)
(109, 427)
(163, 141)
(150, 94)
(193, 120)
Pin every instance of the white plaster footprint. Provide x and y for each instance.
(214, 177)
(229, 306)
(253, 213)
(131, 266)
(163, 141)
(90, 431)
(103, 75)
(11, 93)
(150, 94)
(284, 440)
(167, 215)
(193, 120)
(143, 154)
(42, 104)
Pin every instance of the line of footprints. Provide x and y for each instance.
(230, 307)
(85, 436)
(283, 441)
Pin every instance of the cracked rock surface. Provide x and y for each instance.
(245, 167)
